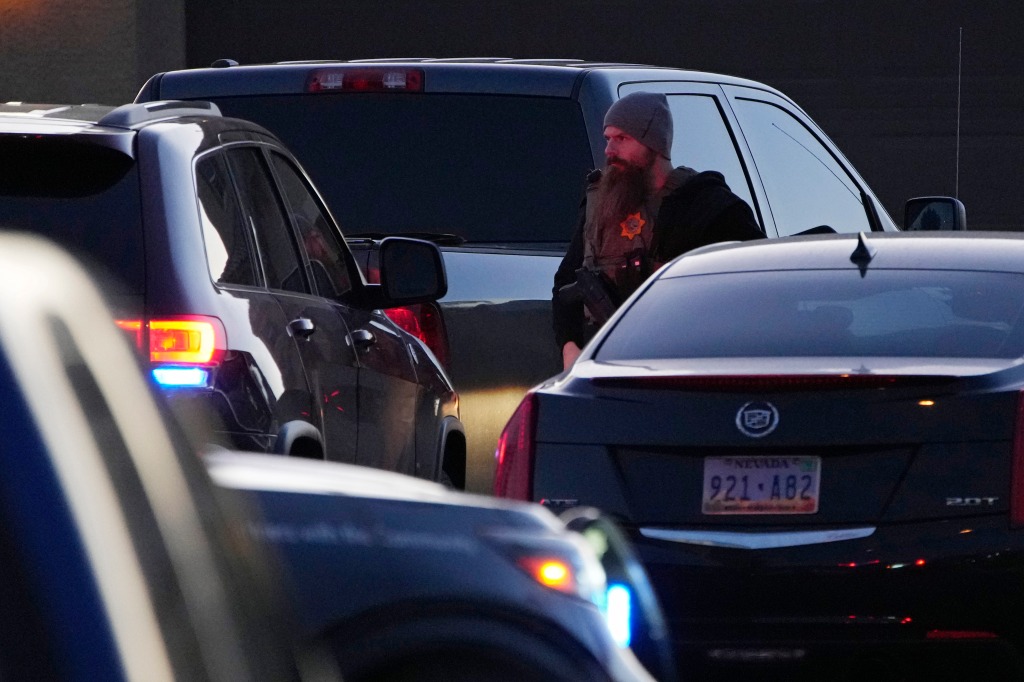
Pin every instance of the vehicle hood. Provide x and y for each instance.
(275, 473)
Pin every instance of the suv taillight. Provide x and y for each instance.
(425, 322)
(513, 477)
(181, 350)
(1017, 472)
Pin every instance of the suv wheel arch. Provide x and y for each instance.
(451, 469)
(299, 439)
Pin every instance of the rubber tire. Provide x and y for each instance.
(459, 648)
(446, 667)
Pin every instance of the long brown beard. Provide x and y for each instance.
(622, 190)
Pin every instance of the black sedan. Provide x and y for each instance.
(817, 445)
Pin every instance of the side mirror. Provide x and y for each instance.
(934, 213)
(631, 597)
(409, 271)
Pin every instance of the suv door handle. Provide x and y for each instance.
(363, 339)
(301, 327)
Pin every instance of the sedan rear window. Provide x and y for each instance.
(84, 197)
(401, 163)
(887, 313)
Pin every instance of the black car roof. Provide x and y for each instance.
(985, 251)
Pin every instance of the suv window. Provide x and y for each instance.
(326, 256)
(436, 163)
(785, 149)
(228, 251)
(264, 212)
(702, 141)
(82, 196)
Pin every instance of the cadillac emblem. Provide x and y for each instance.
(757, 419)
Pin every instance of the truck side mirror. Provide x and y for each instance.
(934, 213)
(411, 271)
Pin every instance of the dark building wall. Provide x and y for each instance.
(882, 78)
(57, 51)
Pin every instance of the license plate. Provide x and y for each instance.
(761, 485)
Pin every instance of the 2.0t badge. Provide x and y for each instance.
(757, 419)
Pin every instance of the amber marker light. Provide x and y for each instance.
(550, 572)
(926, 403)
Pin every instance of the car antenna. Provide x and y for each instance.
(959, 81)
(863, 254)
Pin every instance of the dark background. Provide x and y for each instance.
(882, 78)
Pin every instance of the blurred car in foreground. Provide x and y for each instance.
(817, 447)
(118, 562)
(235, 283)
(122, 560)
(403, 579)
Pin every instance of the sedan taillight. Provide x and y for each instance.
(513, 477)
(1017, 472)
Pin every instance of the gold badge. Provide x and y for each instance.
(632, 225)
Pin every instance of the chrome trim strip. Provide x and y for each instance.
(738, 540)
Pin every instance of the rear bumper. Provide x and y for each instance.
(939, 595)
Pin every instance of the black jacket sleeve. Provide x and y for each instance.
(568, 316)
(702, 211)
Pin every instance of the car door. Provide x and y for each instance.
(807, 181)
(322, 338)
(263, 376)
(388, 388)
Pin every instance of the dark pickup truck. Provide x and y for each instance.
(488, 157)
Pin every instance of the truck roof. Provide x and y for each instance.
(537, 77)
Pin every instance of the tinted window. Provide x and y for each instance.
(224, 228)
(489, 168)
(806, 186)
(914, 313)
(328, 266)
(262, 208)
(82, 196)
(701, 141)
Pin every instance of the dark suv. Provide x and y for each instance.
(236, 284)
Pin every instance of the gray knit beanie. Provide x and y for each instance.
(645, 117)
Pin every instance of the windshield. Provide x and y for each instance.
(82, 196)
(487, 168)
(887, 313)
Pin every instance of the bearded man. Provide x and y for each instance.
(638, 214)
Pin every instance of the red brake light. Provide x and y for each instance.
(770, 382)
(379, 79)
(514, 474)
(134, 330)
(425, 322)
(191, 340)
(960, 634)
(1017, 471)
